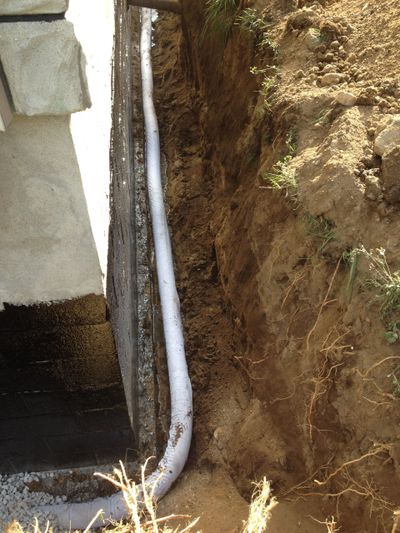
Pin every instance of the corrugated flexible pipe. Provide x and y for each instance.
(78, 515)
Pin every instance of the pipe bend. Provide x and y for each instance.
(79, 515)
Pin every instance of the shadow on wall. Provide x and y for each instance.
(62, 402)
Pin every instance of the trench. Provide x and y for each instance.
(246, 273)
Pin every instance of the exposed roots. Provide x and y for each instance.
(322, 383)
(260, 508)
(333, 349)
(324, 303)
(330, 523)
(387, 398)
(341, 482)
(382, 448)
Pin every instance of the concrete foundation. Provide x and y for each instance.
(62, 402)
(45, 67)
(47, 248)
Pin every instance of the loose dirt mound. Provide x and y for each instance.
(275, 180)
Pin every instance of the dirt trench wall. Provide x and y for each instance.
(317, 360)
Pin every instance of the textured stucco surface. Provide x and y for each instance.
(45, 67)
(32, 7)
(47, 248)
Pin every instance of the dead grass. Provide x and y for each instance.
(15, 527)
(142, 510)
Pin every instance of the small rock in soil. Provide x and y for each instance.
(391, 174)
(312, 39)
(346, 98)
(388, 138)
(331, 78)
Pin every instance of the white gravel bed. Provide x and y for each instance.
(17, 502)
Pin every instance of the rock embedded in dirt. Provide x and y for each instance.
(312, 39)
(328, 68)
(302, 19)
(391, 174)
(388, 138)
(331, 78)
(373, 189)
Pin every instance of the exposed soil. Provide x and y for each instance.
(293, 377)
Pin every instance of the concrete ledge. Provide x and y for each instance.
(44, 65)
(32, 7)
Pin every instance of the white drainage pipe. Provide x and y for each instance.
(78, 515)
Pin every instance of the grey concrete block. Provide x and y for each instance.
(32, 7)
(45, 67)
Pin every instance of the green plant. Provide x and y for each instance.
(386, 282)
(395, 382)
(291, 142)
(392, 334)
(267, 42)
(249, 21)
(219, 18)
(283, 178)
(269, 84)
(322, 118)
(320, 229)
(351, 258)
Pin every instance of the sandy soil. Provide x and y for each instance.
(293, 376)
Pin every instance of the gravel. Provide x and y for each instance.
(17, 502)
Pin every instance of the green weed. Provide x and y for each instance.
(395, 382)
(282, 177)
(219, 18)
(269, 85)
(291, 142)
(392, 335)
(351, 259)
(322, 118)
(386, 282)
(250, 22)
(320, 229)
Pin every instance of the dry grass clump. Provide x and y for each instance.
(139, 501)
(15, 527)
(141, 507)
(383, 279)
(260, 508)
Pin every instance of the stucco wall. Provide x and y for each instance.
(47, 250)
(54, 185)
